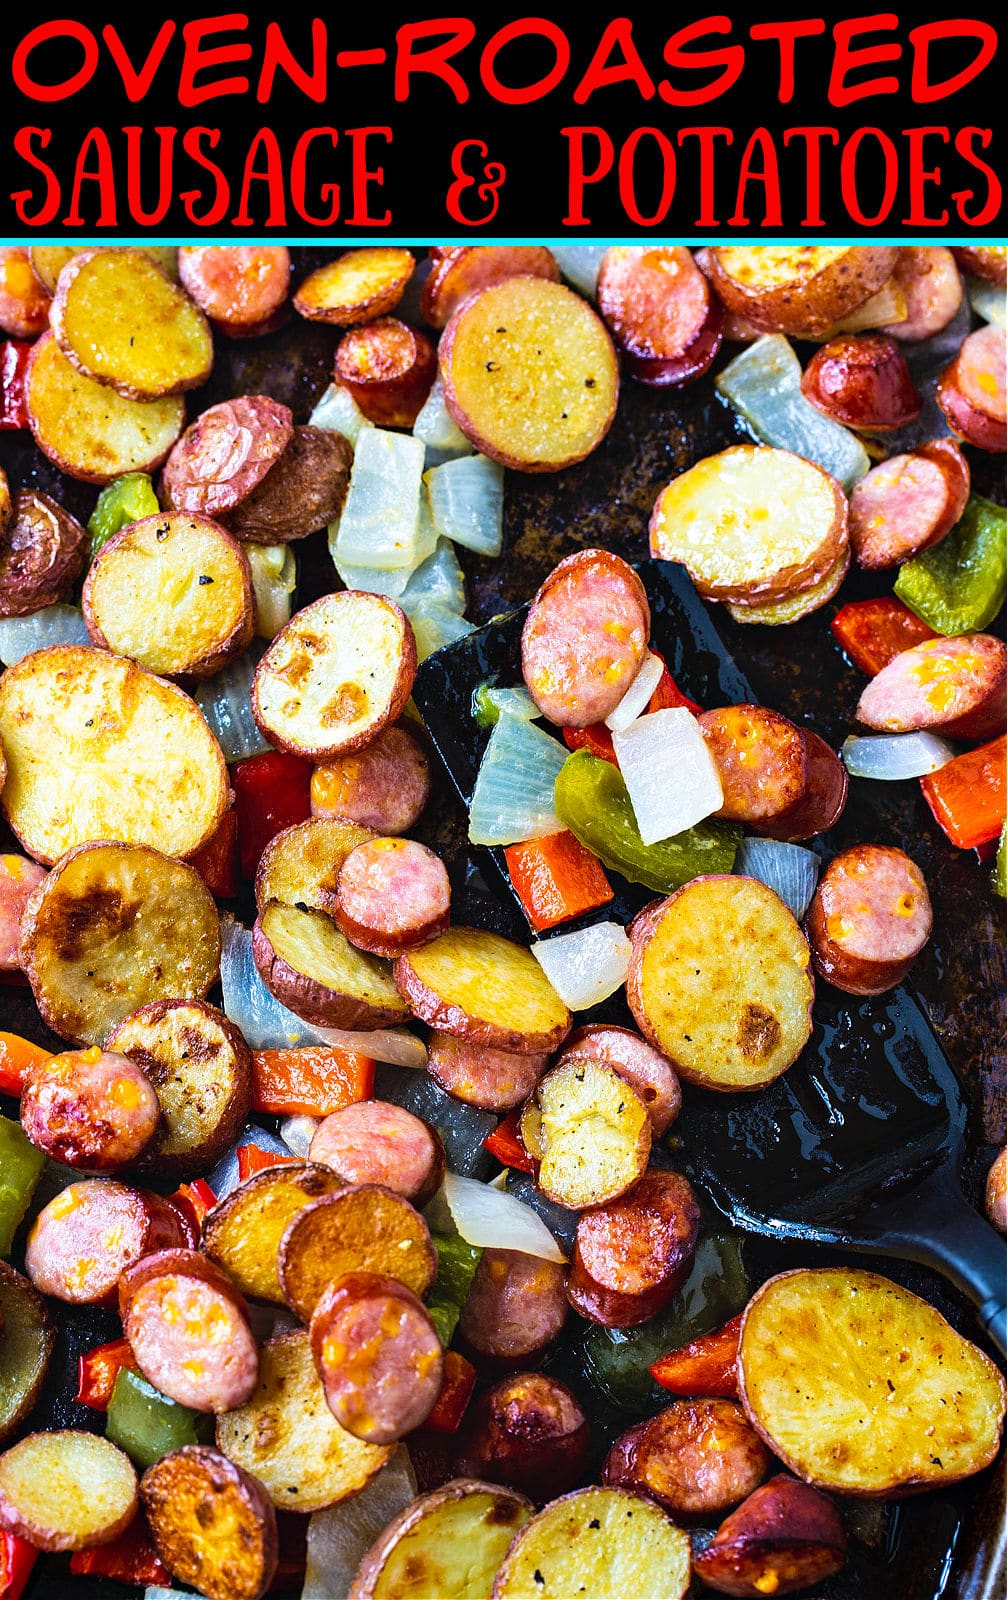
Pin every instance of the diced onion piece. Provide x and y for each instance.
(373, 580)
(274, 579)
(156, 1591)
(378, 525)
(486, 1217)
(339, 411)
(397, 1046)
(513, 797)
(669, 773)
(580, 265)
(987, 299)
(560, 1222)
(437, 581)
(224, 701)
(58, 624)
(223, 1177)
(894, 756)
(789, 870)
(297, 1134)
(764, 384)
(467, 503)
(585, 966)
(434, 627)
(340, 1536)
(634, 702)
(491, 704)
(441, 434)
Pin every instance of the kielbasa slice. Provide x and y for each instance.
(393, 895)
(19, 878)
(660, 310)
(645, 1069)
(388, 367)
(225, 454)
(494, 1080)
(585, 638)
(516, 1307)
(869, 919)
(863, 381)
(954, 686)
(824, 798)
(527, 1431)
(241, 287)
(971, 390)
(698, 1458)
(760, 759)
(189, 1332)
(84, 1239)
(631, 1255)
(91, 1109)
(373, 1141)
(931, 285)
(986, 261)
(385, 786)
(378, 1355)
(908, 503)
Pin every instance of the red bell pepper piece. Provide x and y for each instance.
(706, 1366)
(312, 1080)
(17, 1056)
(505, 1145)
(195, 1200)
(272, 792)
(668, 695)
(14, 355)
(597, 738)
(129, 1559)
(17, 1558)
(967, 795)
(556, 878)
(874, 632)
(456, 1391)
(217, 861)
(251, 1160)
(97, 1371)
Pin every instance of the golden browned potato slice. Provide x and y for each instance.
(173, 592)
(363, 1228)
(752, 524)
(722, 983)
(161, 346)
(303, 492)
(356, 287)
(89, 430)
(483, 988)
(66, 1490)
(299, 866)
(48, 260)
(26, 1339)
(590, 1133)
(336, 675)
(287, 1437)
(242, 1234)
(860, 1387)
(201, 1068)
(798, 288)
(311, 967)
(795, 606)
(530, 374)
(99, 749)
(605, 1543)
(448, 1543)
(114, 927)
(214, 1526)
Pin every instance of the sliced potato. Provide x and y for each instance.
(604, 1543)
(42, 551)
(303, 492)
(26, 1343)
(287, 1437)
(798, 288)
(860, 1387)
(447, 1544)
(485, 989)
(299, 866)
(201, 1068)
(590, 1133)
(312, 967)
(800, 604)
(722, 983)
(340, 671)
(356, 286)
(89, 430)
(66, 1490)
(362, 1228)
(530, 374)
(751, 524)
(114, 927)
(213, 1525)
(164, 345)
(174, 593)
(242, 1234)
(99, 749)
(48, 260)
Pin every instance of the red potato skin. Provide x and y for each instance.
(697, 1458)
(385, 1373)
(929, 279)
(516, 1308)
(785, 1536)
(225, 454)
(862, 380)
(160, 1489)
(649, 1073)
(954, 686)
(311, 1000)
(661, 312)
(529, 1432)
(43, 550)
(393, 895)
(869, 919)
(91, 1109)
(385, 786)
(995, 1192)
(301, 493)
(907, 504)
(632, 1254)
(389, 368)
(461, 270)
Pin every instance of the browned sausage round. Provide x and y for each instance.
(660, 310)
(932, 288)
(42, 554)
(378, 1356)
(989, 262)
(389, 368)
(225, 454)
(782, 780)
(19, 878)
(825, 793)
(631, 1255)
(385, 786)
(645, 1069)
(373, 1141)
(585, 638)
(83, 1240)
(241, 287)
(699, 1458)
(971, 390)
(869, 920)
(302, 491)
(516, 1307)
(494, 1080)
(24, 301)
(529, 1432)
(954, 686)
(863, 381)
(785, 1536)
(188, 1329)
(908, 503)
(618, 1466)
(393, 895)
(91, 1109)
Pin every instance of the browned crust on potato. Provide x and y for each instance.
(508, 1506)
(355, 991)
(212, 1523)
(300, 866)
(42, 551)
(361, 1228)
(66, 1490)
(357, 286)
(818, 286)
(242, 1233)
(301, 493)
(419, 979)
(24, 1317)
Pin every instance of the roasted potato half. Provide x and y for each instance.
(590, 1133)
(920, 1406)
(42, 551)
(66, 1490)
(213, 1525)
(299, 866)
(27, 1336)
(114, 927)
(357, 286)
(48, 260)
(605, 1542)
(448, 1543)
(484, 989)
(303, 492)
(243, 1233)
(311, 967)
(361, 1228)
(797, 288)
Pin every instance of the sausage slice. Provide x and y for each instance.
(384, 787)
(585, 638)
(631, 1255)
(188, 1329)
(494, 1080)
(373, 1141)
(869, 919)
(908, 503)
(91, 1109)
(954, 686)
(660, 310)
(84, 1239)
(971, 390)
(393, 895)
(516, 1307)
(378, 1356)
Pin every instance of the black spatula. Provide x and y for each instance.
(858, 1146)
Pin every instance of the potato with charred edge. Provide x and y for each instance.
(212, 1524)
(448, 1543)
(785, 1536)
(484, 989)
(797, 288)
(604, 1542)
(388, 367)
(362, 1228)
(300, 866)
(590, 1133)
(457, 271)
(529, 1432)
(304, 959)
(302, 492)
(66, 1490)
(42, 551)
(28, 1339)
(243, 1231)
(358, 285)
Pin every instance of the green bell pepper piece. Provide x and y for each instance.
(958, 586)
(20, 1169)
(457, 1263)
(999, 877)
(121, 502)
(484, 711)
(591, 800)
(147, 1425)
